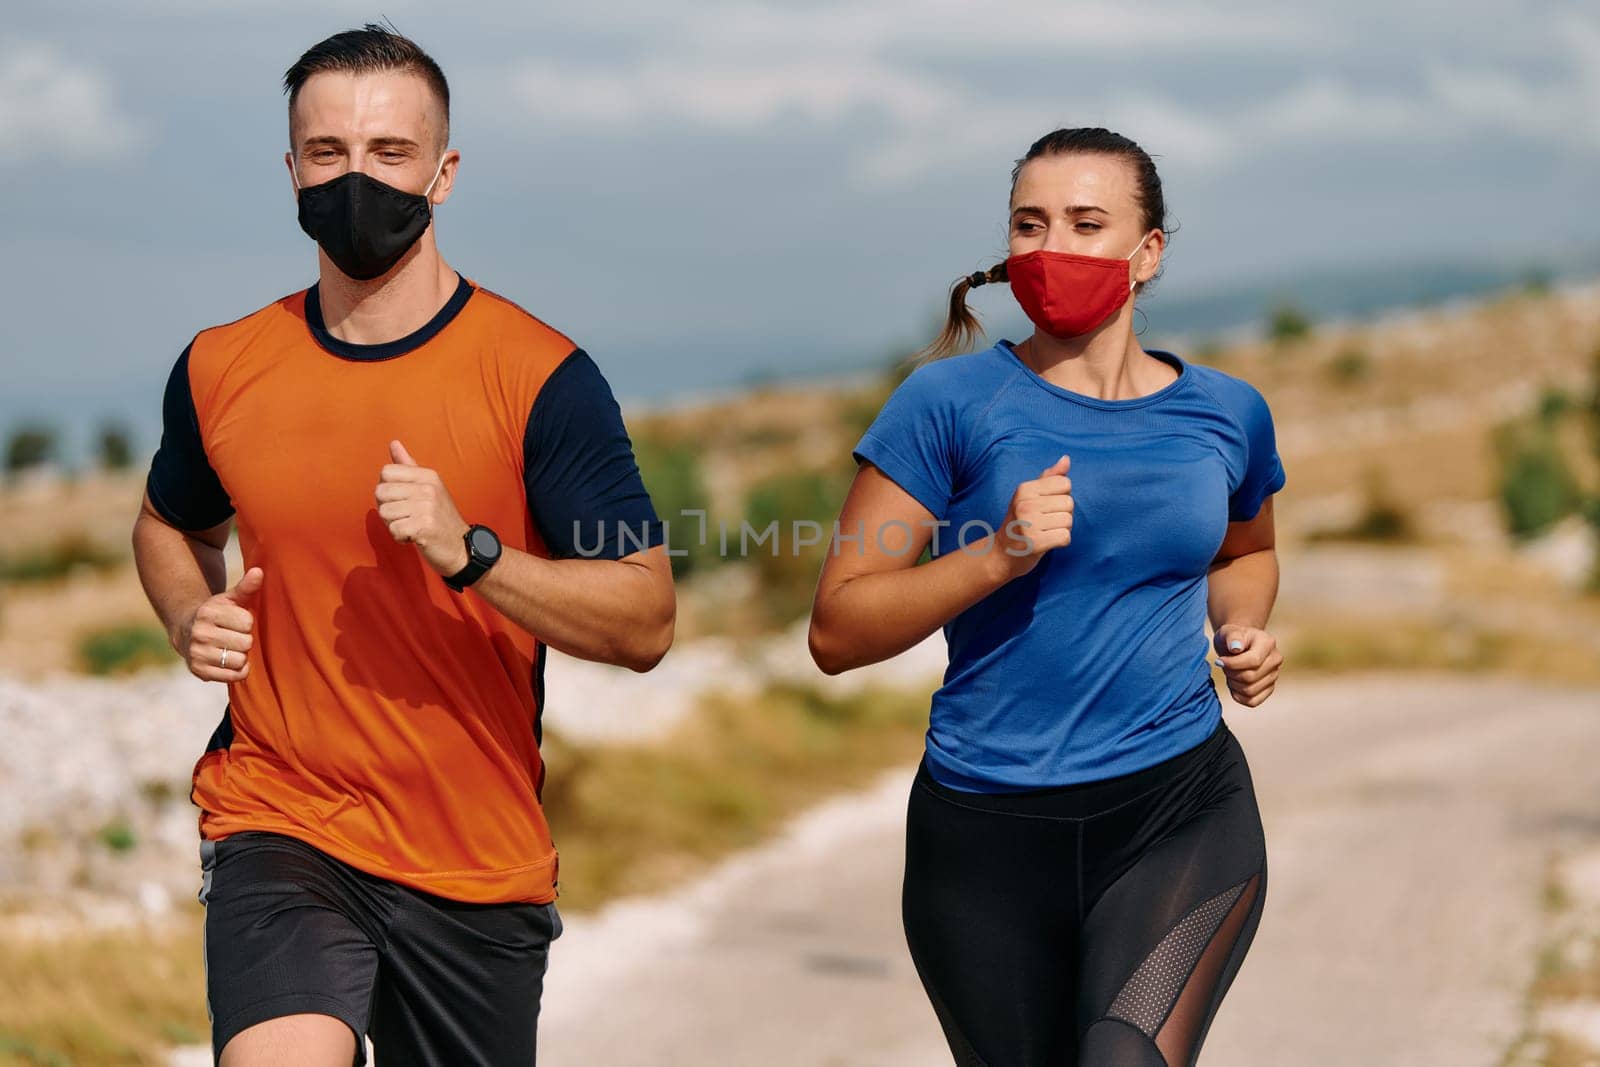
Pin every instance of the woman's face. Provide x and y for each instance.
(1082, 203)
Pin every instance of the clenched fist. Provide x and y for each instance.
(1039, 519)
(415, 505)
(1250, 662)
(216, 640)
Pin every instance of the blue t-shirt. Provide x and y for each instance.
(1095, 663)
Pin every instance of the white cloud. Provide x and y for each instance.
(1561, 108)
(738, 67)
(727, 95)
(870, 26)
(52, 107)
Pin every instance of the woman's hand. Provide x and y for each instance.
(1039, 519)
(1250, 660)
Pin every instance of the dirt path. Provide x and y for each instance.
(1408, 822)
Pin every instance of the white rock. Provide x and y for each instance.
(1576, 1020)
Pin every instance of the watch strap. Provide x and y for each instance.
(476, 564)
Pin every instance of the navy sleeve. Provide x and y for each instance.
(183, 488)
(1263, 470)
(914, 439)
(584, 490)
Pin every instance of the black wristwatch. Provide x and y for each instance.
(483, 552)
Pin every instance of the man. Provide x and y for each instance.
(430, 486)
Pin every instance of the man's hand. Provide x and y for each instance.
(215, 641)
(1250, 660)
(415, 505)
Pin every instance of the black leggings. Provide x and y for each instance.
(1096, 924)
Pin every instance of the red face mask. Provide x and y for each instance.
(1066, 294)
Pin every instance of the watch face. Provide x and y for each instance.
(485, 543)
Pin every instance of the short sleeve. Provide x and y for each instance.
(183, 487)
(914, 437)
(584, 489)
(1263, 471)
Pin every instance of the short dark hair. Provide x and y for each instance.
(372, 48)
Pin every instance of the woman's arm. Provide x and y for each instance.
(1242, 584)
(870, 605)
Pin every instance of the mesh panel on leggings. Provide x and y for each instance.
(1148, 995)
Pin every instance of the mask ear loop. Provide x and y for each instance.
(294, 170)
(1142, 240)
(440, 167)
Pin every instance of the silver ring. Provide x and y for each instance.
(223, 661)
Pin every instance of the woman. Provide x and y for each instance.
(1085, 864)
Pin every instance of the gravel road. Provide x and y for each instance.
(1409, 819)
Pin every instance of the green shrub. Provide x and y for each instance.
(30, 445)
(1352, 364)
(1537, 488)
(671, 474)
(1592, 517)
(57, 560)
(118, 836)
(1382, 519)
(1287, 322)
(114, 446)
(1592, 404)
(1554, 402)
(124, 648)
(789, 577)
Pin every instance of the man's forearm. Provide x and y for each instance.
(610, 611)
(1243, 589)
(178, 572)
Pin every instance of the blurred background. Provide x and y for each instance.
(750, 213)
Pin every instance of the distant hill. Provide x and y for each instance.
(688, 370)
(1231, 313)
(1360, 292)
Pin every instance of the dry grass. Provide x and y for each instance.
(627, 819)
(113, 997)
(631, 819)
(1461, 644)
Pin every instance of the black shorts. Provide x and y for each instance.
(290, 929)
(1099, 923)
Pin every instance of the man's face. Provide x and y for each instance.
(389, 125)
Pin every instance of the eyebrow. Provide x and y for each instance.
(1071, 209)
(372, 142)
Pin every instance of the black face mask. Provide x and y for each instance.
(363, 224)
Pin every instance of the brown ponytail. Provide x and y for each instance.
(961, 327)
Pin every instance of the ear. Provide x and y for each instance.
(1148, 259)
(447, 178)
(288, 164)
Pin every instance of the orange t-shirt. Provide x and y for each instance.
(388, 720)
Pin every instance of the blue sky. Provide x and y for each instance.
(700, 192)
